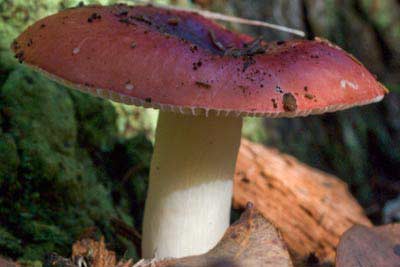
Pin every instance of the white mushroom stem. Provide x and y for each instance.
(190, 189)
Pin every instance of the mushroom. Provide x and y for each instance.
(203, 79)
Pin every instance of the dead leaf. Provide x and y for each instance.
(250, 242)
(94, 252)
(370, 247)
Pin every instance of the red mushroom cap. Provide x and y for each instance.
(180, 61)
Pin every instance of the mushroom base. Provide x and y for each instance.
(190, 189)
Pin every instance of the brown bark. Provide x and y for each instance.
(311, 208)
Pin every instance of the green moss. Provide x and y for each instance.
(95, 131)
(37, 131)
(132, 120)
(16, 15)
(9, 244)
(64, 168)
(253, 129)
(9, 159)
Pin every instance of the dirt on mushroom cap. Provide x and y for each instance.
(175, 50)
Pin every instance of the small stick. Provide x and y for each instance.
(223, 17)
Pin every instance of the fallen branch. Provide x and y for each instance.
(311, 208)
